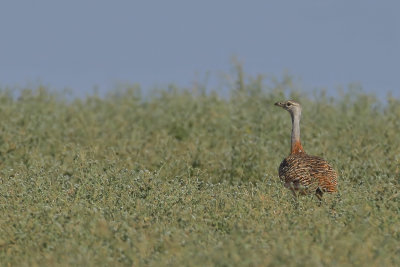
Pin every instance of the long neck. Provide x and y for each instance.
(296, 146)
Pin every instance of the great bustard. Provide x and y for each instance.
(302, 173)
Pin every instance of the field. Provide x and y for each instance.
(187, 178)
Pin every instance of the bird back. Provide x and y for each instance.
(305, 173)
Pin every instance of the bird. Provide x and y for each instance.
(302, 173)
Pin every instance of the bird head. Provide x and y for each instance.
(292, 106)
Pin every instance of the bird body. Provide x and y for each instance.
(300, 172)
(307, 174)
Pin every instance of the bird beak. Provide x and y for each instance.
(279, 104)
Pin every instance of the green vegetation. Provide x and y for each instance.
(184, 178)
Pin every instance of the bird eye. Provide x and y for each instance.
(288, 104)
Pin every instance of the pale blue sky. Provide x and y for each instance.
(79, 44)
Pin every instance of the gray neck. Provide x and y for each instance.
(295, 127)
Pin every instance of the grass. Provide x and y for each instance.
(184, 178)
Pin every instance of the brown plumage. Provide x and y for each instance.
(300, 172)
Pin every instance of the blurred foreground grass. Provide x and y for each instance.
(185, 178)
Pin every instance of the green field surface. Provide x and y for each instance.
(180, 177)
